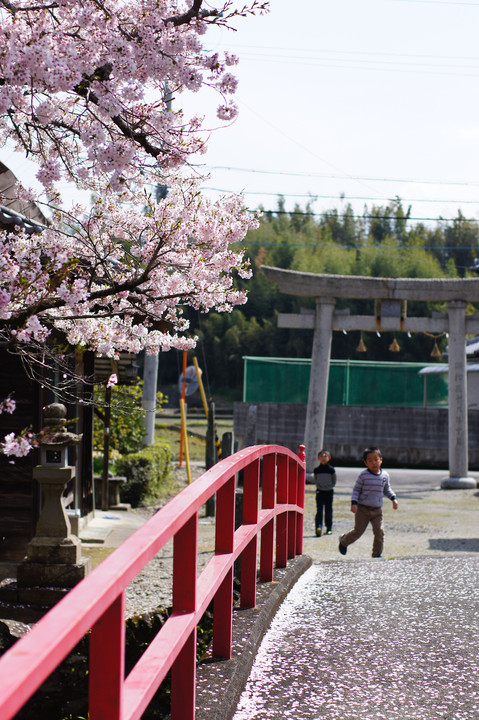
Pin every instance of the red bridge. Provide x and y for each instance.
(271, 474)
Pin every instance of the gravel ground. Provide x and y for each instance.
(152, 587)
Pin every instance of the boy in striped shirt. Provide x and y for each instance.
(367, 500)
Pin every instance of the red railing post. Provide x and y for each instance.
(107, 663)
(292, 493)
(223, 602)
(250, 517)
(300, 500)
(185, 551)
(267, 533)
(223, 618)
(183, 682)
(282, 520)
(183, 670)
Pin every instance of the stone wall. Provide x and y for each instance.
(408, 437)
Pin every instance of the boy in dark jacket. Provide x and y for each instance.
(325, 479)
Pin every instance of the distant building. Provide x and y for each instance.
(472, 351)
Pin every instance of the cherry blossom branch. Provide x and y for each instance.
(195, 11)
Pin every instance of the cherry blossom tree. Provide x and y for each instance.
(85, 90)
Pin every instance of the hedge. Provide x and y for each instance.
(146, 472)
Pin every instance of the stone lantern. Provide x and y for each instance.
(53, 558)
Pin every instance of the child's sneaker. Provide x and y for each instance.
(318, 532)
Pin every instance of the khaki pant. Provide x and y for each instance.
(366, 514)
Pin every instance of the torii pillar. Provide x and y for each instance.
(318, 383)
(391, 296)
(458, 436)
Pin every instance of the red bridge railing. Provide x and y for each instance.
(97, 603)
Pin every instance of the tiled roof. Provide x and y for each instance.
(14, 211)
(443, 368)
(9, 219)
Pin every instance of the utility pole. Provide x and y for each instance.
(150, 372)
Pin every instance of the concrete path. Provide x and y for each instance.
(369, 640)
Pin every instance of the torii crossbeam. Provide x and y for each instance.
(391, 296)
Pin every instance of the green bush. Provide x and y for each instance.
(127, 429)
(146, 472)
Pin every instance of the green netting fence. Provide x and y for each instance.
(351, 382)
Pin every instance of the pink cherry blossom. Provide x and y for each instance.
(112, 380)
(92, 80)
(16, 445)
(8, 405)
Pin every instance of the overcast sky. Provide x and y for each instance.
(363, 100)
(350, 101)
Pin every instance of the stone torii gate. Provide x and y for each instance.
(390, 296)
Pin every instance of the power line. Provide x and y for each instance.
(438, 2)
(365, 216)
(369, 57)
(361, 247)
(367, 64)
(353, 53)
(435, 64)
(342, 177)
(313, 197)
(294, 141)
